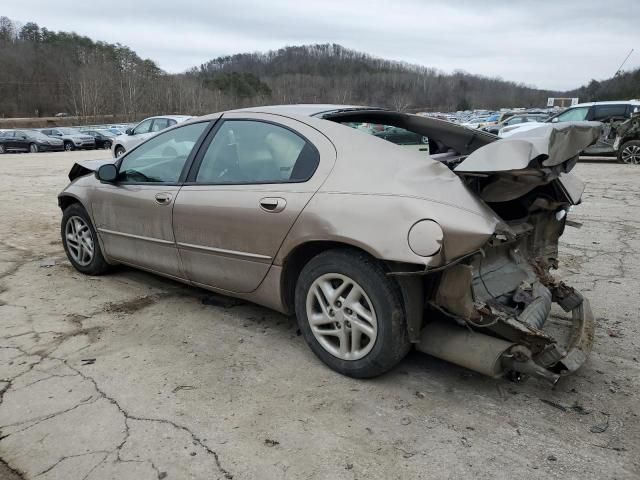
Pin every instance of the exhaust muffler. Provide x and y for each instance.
(476, 351)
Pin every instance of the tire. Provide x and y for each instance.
(106, 145)
(629, 153)
(3, 150)
(379, 299)
(73, 217)
(119, 151)
(33, 148)
(68, 146)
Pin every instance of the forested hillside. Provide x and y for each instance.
(44, 72)
(625, 86)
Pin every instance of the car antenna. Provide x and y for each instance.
(619, 71)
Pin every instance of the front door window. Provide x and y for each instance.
(161, 159)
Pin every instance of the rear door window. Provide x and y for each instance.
(255, 152)
(604, 113)
(160, 124)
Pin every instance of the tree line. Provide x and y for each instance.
(45, 72)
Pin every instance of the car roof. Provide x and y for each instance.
(613, 102)
(172, 117)
(304, 109)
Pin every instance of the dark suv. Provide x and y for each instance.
(611, 114)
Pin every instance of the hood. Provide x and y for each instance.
(80, 169)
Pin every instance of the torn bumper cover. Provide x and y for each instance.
(500, 345)
(581, 341)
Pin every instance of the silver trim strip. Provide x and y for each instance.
(137, 237)
(224, 252)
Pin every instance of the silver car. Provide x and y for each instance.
(376, 248)
(144, 130)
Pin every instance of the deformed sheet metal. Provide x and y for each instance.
(550, 144)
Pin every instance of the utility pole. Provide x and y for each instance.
(619, 71)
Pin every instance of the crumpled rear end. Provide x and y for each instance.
(503, 297)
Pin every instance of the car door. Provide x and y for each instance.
(9, 140)
(611, 115)
(133, 215)
(21, 141)
(252, 178)
(139, 134)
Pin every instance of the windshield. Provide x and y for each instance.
(69, 131)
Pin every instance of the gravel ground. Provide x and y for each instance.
(131, 376)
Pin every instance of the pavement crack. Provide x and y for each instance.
(15, 471)
(48, 469)
(127, 416)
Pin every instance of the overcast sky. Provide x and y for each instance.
(559, 44)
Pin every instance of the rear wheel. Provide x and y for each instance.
(629, 153)
(119, 151)
(33, 148)
(80, 241)
(350, 313)
(68, 146)
(2, 149)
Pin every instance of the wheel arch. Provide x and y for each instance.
(412, 287)
(66, 199)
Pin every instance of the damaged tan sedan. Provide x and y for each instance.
(445, 243)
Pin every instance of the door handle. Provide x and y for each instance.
(163, 198)
(273, 204)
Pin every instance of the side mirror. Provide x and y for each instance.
(129, 131)
(554, 120)
(107, 173)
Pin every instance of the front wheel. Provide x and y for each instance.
(68, 146)
(33, 148)
(119, 151)
(2, 149)
(630, 153)
(350, 313)
(80, 241)
(106, 145)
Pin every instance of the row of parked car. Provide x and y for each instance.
(118, 139)
(55, 139)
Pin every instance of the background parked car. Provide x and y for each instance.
(103, 137)
(71, 137)
(28, 141)
(516, 120)
(611, 114)
(147, 128)
(627, 142)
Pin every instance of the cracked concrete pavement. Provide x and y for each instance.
(131, 376)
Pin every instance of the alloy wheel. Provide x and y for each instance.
(33, 148)
(68, 147)
(2, 149)
(341, 316)
(79, 240)
(631, 155)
